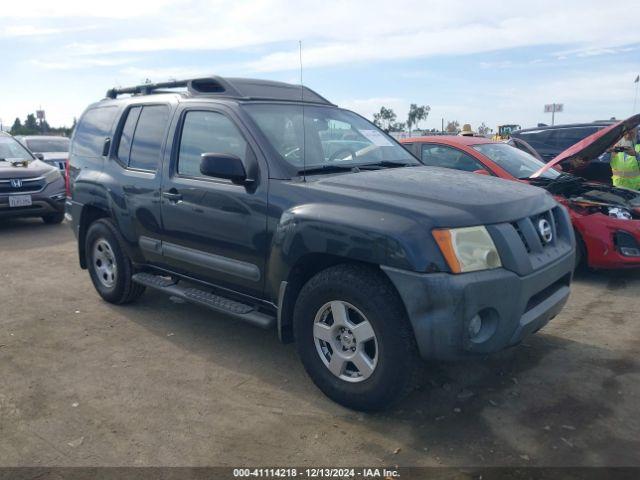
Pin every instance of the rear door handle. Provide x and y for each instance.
(172, 195)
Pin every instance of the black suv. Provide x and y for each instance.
(550, 141)
(264, 201)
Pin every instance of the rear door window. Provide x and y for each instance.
(449, 157)
(148, 137)
(92, 130)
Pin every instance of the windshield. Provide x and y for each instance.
(329, 137)
(40, 145)
(516, 162)
(10, 149)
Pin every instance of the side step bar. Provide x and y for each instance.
(240, 311)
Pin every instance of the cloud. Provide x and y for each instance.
(337, 33)
(79, 63)
(27, 31)
(127, 41)
(83, 8)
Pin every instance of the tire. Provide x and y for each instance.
(391, 362)
(53, 218)
(581, 254)
(109, 266)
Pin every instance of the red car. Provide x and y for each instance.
(606, 219)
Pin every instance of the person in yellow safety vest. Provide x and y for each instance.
(625, 164)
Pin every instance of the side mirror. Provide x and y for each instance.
(39, 156)
(223, 165)
(482, 171)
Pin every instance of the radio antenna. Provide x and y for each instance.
(304, 131)
(300, 59)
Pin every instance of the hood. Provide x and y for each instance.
(34, 168)
(594, 145)
(448, 197)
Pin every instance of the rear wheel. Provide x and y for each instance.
(109, 266)
(354, 339)
(53, 218)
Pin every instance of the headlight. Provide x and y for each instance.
(619, 213)
(53, 175)
(467, 249)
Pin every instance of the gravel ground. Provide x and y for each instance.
(85, 383)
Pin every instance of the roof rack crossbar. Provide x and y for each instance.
(231, 87)
(146, 89)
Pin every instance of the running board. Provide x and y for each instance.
(240, 311)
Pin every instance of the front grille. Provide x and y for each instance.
(538, 231)
(545, 293)
(28, 185)
(522, 246)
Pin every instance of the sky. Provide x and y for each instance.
(492, 62)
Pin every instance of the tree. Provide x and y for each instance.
(397, 127)
(453, 127)
(416, 115)
(16, 128)
(31, 123)
(384, 118)
(484, 130)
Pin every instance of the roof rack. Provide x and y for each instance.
(242, 88)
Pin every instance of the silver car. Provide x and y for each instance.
(51, 149)
(29, 187)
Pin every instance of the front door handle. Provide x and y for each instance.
(172, 195)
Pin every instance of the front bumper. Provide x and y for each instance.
(49, 200)
(440, 306)
(598, 233)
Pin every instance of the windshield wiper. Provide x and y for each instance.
(566, 177)
(386, 164)
(328, 168)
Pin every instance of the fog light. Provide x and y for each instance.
(475, 325)
(626, 244)
(630, 252)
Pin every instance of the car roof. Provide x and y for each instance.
(219, 88)
(598, 123)
(449, 139)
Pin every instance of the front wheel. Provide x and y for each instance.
(354, 339)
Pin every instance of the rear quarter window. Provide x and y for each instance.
(92, 130)
(142, 137)
(148, 137)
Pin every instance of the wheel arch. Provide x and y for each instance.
(305, 268)
(88, 215)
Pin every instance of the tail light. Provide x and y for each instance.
(67, 182)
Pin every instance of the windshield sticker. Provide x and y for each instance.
(377, 138)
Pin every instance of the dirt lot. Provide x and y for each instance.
(86, 383)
